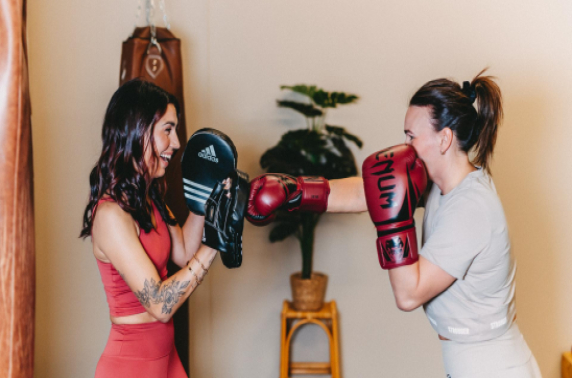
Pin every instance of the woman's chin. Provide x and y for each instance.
(160, 172)
(161, 169)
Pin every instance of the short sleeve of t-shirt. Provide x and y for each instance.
(461, 231)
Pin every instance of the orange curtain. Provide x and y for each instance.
(17, 267)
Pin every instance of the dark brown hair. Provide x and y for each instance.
(121, 172)
(452, 107)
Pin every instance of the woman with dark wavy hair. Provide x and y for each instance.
(134, 234)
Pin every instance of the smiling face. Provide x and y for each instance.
(420, 133)
(165, 143)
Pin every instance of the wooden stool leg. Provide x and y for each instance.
(335, 358)
(284, 347)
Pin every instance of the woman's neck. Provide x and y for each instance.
(454, 172)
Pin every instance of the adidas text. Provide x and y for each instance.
(205, 156)
(209, 154)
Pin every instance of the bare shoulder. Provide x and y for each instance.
(112, 223)
(111, 214)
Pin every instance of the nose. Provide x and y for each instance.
(175, 141)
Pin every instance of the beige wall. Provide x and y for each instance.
(236, 55)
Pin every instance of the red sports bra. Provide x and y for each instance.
(157, 244)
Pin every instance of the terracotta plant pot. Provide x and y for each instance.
(308, 295)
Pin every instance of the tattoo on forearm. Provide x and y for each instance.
(168, 294)
(149, 293)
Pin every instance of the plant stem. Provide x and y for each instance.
(309, 222)
(323, 119)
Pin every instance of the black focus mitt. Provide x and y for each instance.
(224, 218)
(209, 158)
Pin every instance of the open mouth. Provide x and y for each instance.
(166, 157)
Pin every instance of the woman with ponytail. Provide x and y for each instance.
(465, 277)
(464, 274)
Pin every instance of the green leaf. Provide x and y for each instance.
(331, 100)
(306, 90)
(306, 109)
(282, 230)
(284, 159)
(343, 133)
(343, 98)
(322, 98)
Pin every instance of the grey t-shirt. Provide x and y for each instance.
(465, 234)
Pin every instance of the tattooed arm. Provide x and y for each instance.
(115, 235)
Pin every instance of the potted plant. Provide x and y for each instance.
(317, 150)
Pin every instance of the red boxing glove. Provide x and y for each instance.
(394, 180)
(273, 191)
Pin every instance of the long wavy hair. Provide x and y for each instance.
(121, 172)
(453, 106)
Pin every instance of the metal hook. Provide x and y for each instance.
(156, 44)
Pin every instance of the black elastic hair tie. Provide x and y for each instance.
(469, 91)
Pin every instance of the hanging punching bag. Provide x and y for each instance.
(154, 54)
(17, 267)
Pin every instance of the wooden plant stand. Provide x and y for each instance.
(327, 319)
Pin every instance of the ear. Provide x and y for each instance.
(446, 140)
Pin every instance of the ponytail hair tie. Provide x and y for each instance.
(469, 91)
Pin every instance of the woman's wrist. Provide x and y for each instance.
(200, 263)
(197, 269)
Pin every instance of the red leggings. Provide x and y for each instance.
(140, 351)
